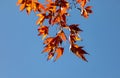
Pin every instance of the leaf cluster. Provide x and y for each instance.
(55, 12)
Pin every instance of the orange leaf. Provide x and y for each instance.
(85, 12)
(63, 10)
(50, 55)
(79, 1)
(43, 31)
(36, 6)
(19, 2)
(41, 6)
(62, 35)
(48, 40)
(82, 2)
(33, 5)
(40, 19)
(47, 49)
(57, 19)
(52, 9)
(59, 52)
(22, 7)
(49, 1)
(28, 10)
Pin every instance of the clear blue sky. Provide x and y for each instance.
(20, 47)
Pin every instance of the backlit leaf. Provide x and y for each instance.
(19, 2)
(86, 11)
(50, 55)
(55, 13)
(22, 7)
(82, 2)
(62, 35)
(59, 52)
(28, 10)
(40, 19)
(43, 31)
(47, 49)
(48, 40)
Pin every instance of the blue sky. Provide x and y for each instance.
(20, 47)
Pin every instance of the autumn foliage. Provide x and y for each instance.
(54, 13)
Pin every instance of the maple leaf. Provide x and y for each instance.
(59, 52)
(86, 11)
(43, 31)
(78, 51)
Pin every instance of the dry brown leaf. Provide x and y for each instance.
(78, 51)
